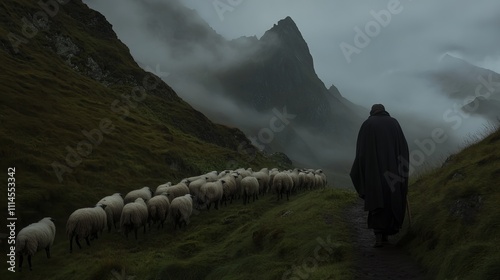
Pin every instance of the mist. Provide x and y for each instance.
(392, 68)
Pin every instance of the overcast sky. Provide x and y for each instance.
(416, 35)
(373, 51)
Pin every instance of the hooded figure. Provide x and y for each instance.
(380, 172)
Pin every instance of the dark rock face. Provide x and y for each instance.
(281, 74)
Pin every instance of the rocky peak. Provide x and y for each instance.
(285, 35)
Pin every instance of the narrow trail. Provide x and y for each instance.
(388, 262)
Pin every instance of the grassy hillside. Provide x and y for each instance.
(71, 77)
(456, 219)
(262, 240)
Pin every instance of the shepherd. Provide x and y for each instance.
(380, 173)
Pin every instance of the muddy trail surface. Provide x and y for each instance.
(388, 262)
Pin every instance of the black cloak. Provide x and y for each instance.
(380, 170)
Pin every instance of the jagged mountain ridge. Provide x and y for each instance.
(242, 82)
(282, 73)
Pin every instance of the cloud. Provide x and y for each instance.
(389, 70)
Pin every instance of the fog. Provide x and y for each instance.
(390, 67)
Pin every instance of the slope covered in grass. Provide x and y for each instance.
(456, 218)
(262, 240)
(81, 120)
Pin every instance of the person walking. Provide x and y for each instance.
(380, 173)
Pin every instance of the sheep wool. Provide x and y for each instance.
(282, 184)
(35, 237)
(177, 190)
(162, 188)
(250, 188)
(211, 192)
(86, 223)
(180, 210)
(158, 207)
(263, 179)
(194, 186)
(114, 206)
(144, 193)
(134, 216)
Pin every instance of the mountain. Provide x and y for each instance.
(477, 88)
(245, 82)
(81, 120)
(281, 74)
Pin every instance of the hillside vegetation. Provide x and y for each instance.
(80, 119)
(456, 219)
(261, 240)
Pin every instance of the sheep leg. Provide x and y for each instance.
(135, 233)
(21, 258)
(29, 262)
(87, 240)
(216, 205)
(287, 196)
(208, 206)
(145, 229)
(77, 240)
(47, 250)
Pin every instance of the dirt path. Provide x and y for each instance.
(389, 262)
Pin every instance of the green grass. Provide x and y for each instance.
(45, 105)
(262, 240)
(456, 219)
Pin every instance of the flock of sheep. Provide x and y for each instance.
(143, 207)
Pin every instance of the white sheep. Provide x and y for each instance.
(211, 176)
(86, 223)
(223, 174)
(35, 237)
(134, 216)
(310, 180)
(324, 180)
(272, 173)
(162, 188)
(194, 186)
(239, 190)
(250, 188)
(177, 190)
(263, 179)
(180, 210)
(282, 183)
(114, 205)
(158, 207)
(229, 188)
(294, 174)
(144, 193)
(244, 172)
(211, 192)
